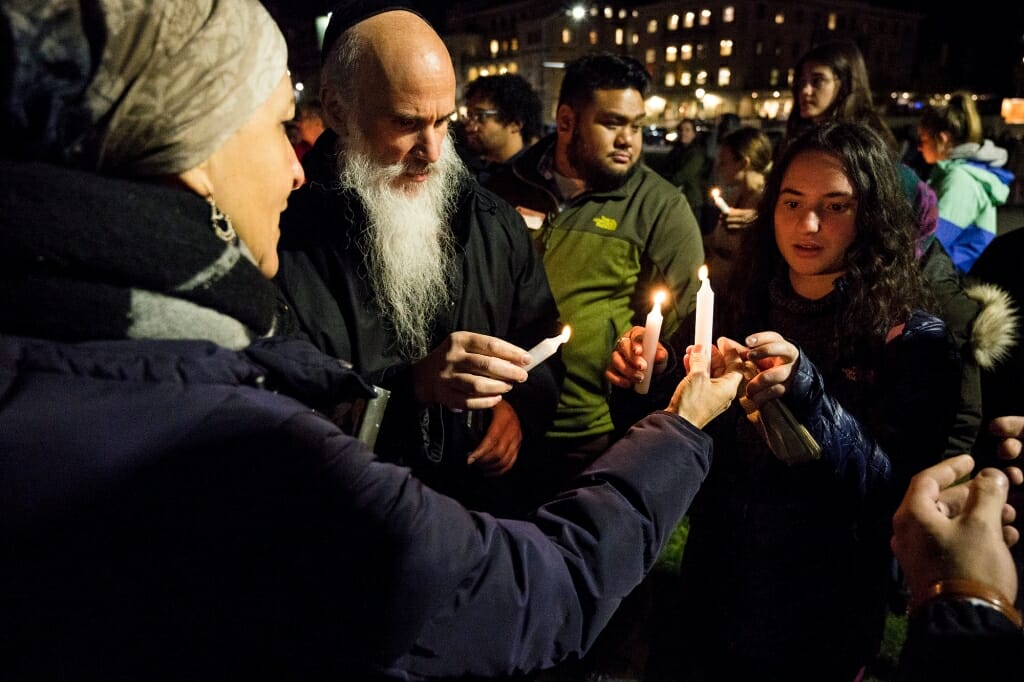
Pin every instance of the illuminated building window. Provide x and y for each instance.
(688, 20)
(773, 77)
(473, 74)
(515, 44)
(566, 36)
(652, 26)
(671, 53)
(780, 18)
(725, 48)
(673, 22)
(623, 14)
(702, 77)
(504, 46)
(651, 55)
(608, 13)
(705, 17)
(831, 21)
(494, 47)
(759, 48)
(687, 52)
(724, 76)
(728, 14)
(619, 36)
(686, 78)
(670, 79)
(593, 37)
(636, 38)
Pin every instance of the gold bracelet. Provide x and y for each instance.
(962, 588)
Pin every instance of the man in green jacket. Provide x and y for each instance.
(611, 232)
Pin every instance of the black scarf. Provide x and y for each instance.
(87, 257)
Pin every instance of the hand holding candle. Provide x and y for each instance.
(705, 312)
(546, 348)
(716, 195)
(652, 331)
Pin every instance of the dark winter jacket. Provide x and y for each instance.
(953, 640)
(171, 508)
(982, 321)
(801, 552)
(500, 290)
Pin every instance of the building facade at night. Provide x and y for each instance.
(705, 58)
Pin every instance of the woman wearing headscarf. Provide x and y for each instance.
(170, 505)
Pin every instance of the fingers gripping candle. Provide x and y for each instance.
(705, 312)
(652, 331)
(546, 348)
(716, 194)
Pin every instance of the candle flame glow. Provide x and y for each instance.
(702, 274)
(566, 333)
(659, 297)
(715, 192)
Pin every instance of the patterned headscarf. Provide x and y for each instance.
(173, 81)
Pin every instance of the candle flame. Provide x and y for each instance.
(566, 333)
(659, 297)
(702, 274)
(715, 192)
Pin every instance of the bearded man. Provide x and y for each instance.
(394, 259)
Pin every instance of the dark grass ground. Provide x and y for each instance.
(616, 664)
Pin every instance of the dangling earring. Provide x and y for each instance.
(220, 222)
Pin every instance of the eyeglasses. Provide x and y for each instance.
(816, 82)
(480, 116)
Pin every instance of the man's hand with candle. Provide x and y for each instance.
(469, 371)
(627, 366)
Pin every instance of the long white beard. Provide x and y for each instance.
(411, 254)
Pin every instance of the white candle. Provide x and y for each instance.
(652, 331)
(705, 311)
(716, 194)
(546, 348)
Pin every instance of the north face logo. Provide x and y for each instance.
(605, 223)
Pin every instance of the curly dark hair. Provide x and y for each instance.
(600, 71)
(883, 281)
(513, 97)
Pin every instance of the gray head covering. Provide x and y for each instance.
(177, 78)
(144, 88)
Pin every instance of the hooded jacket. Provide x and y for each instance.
(969, 193)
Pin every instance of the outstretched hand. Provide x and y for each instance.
(708, 388)
(775, 358)
(944, 530)
(469, 371)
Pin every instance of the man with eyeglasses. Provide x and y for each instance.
(503, 117)
(394, 259)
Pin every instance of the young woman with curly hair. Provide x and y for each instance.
(784, 573)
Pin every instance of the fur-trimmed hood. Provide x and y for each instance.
(994, 330)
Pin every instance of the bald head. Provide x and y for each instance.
(393, 59)
(388, 90)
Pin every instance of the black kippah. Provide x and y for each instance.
(347, 14)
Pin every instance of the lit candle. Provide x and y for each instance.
(716, 194)
(705, 311)
(652, 331)
(546, 348)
